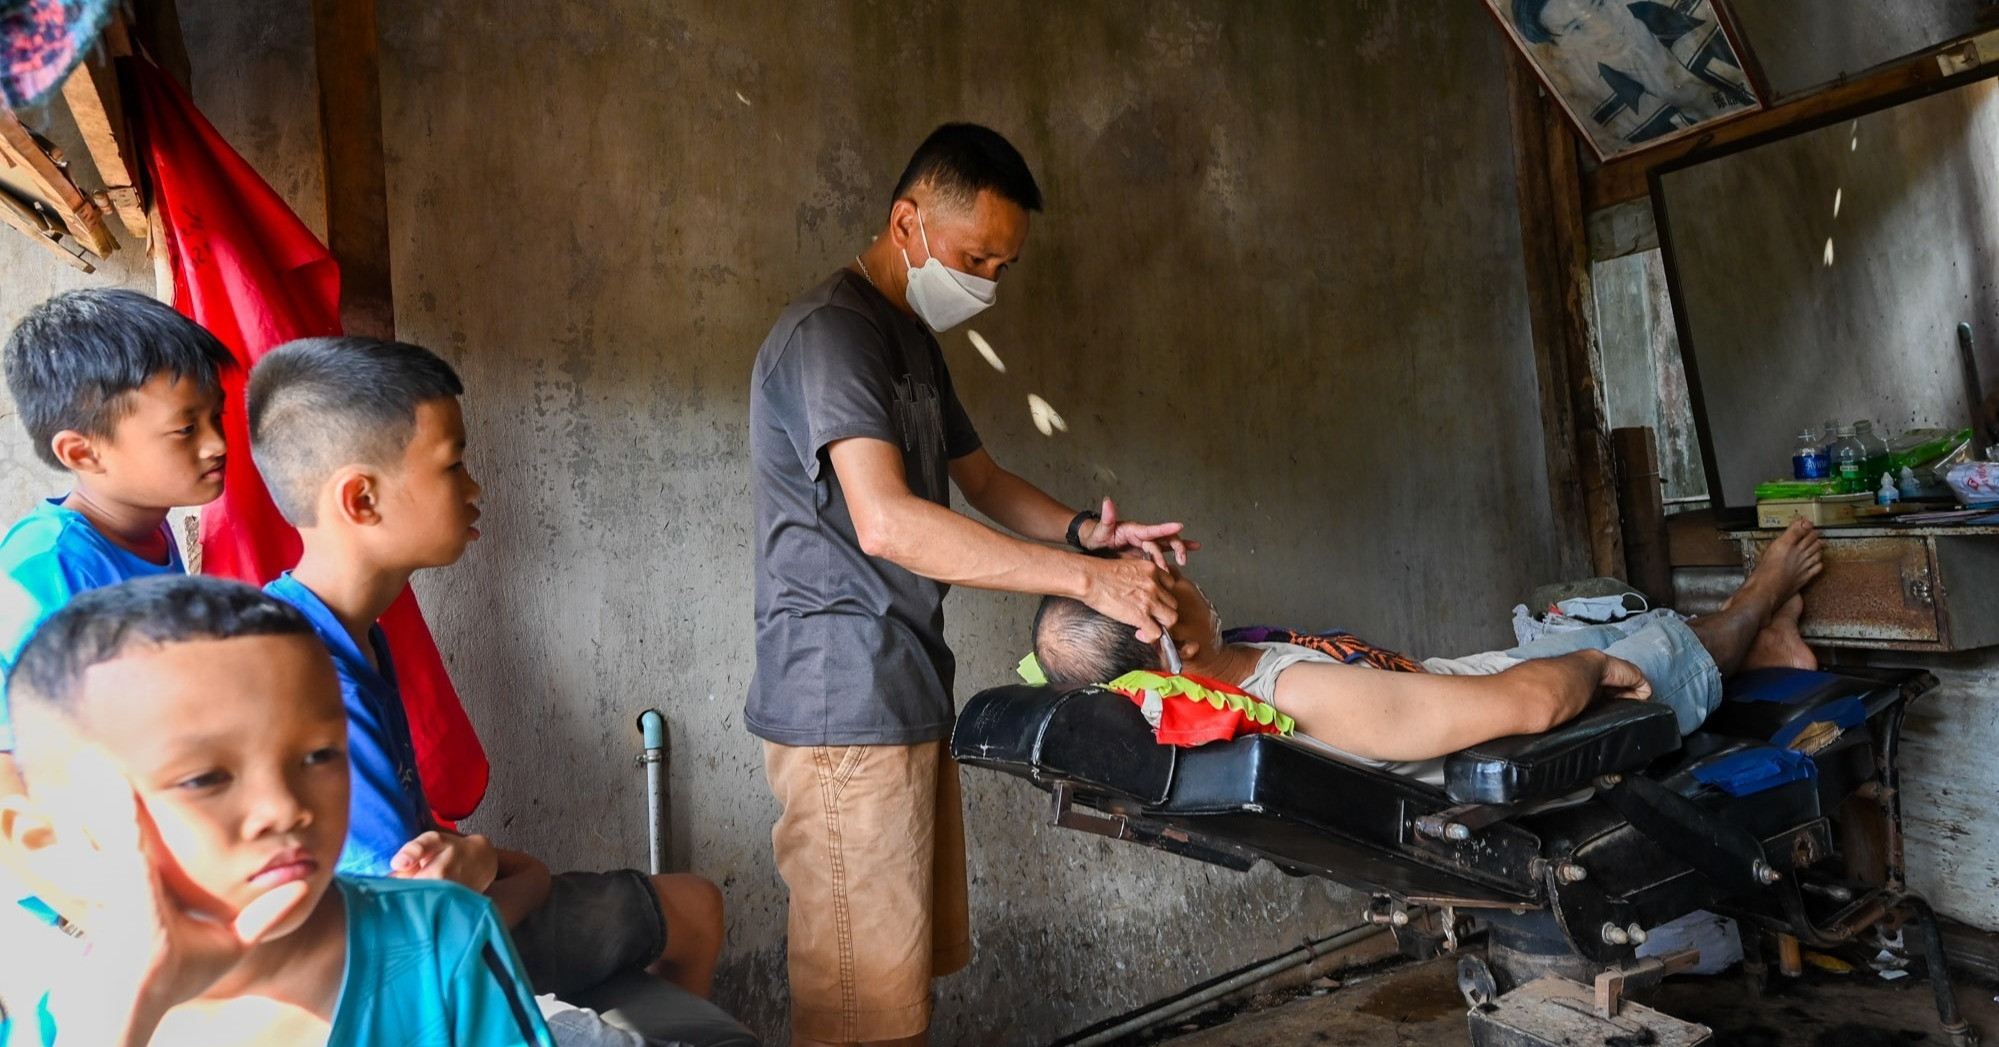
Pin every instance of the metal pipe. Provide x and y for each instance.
(1173, 1007)
(652, 727)
(1953, 1024)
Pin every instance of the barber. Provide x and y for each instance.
(855, 433)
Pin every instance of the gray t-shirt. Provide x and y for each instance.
(850, 648)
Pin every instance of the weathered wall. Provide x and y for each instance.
(1277, 293)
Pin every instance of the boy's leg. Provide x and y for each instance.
(1684, 676)
(856, 844)
(691, 908)
(593, 925)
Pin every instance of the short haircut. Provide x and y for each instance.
(1077, 645)
(1527, 21)
(74, 360)
(102, 625)
(318, 404)
(958, 161)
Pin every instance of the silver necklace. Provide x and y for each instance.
(864, 272)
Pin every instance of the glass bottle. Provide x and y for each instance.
(1873, 445)
(1847, 461)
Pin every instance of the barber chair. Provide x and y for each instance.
(1560, 850)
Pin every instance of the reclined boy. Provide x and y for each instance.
(1407, 721)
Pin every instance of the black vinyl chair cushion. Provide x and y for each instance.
(1610, 737)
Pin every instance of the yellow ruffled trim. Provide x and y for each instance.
(1255, 710)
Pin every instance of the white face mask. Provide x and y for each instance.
(942, 296)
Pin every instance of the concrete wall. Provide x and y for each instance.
(1277, 293)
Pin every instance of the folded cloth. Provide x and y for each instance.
(1342, 645)
(1188, 710)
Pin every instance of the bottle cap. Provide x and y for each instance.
(1846, 430)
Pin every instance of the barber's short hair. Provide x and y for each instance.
(318, 404)
(101, 625)
(1075, 644)
(1527, 21)
(957, 161)
(73, 361)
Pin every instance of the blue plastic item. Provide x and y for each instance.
(1751, 772)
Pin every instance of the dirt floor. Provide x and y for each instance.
(1417, 1005)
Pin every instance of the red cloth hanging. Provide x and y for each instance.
(249, 270)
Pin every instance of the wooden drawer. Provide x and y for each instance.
(1901, 592)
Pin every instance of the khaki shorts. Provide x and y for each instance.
(872, 846)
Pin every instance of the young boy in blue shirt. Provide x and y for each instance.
(362, 445)
(125, 395)
(184, 751)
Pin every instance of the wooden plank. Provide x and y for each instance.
(1629, 179)
(1641, 504)
(1555, 248)
(84, 220)
(357, 190)
(24, 218)
(96, 102)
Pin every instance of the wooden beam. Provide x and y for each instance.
(84, 220)
(98, 105)
(19, 215)
(156, 27)
(1629, 179)
(1582, 476)
(357, 189)
(1641, 503)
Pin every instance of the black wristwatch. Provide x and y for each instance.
(1076, 526)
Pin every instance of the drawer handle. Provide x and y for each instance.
(1919, 592)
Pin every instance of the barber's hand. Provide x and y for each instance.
(1621, 679)
(468, 860)
(1153, 541)
(1134, 591)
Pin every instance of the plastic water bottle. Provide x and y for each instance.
(1829, 436)
(1887, 495)
(1847, 461)
(1911, 487)
(1808, 458)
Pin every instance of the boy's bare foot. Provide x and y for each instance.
(1780, 644)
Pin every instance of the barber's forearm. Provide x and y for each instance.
(933, 541)
(1023, 508)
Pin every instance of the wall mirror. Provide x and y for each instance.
(1823, 275)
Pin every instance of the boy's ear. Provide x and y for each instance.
(76, 452)
(356, 496)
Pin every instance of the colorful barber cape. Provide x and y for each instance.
(388, 808)
(47, 557)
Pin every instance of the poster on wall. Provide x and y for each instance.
(1632, 73)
